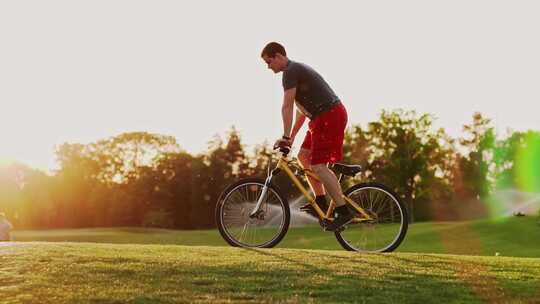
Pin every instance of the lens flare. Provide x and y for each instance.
(528, 164)
(518, 184)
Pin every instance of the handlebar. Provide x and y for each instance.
(284, 150)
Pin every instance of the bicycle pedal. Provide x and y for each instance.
(340, 229)
(324, 223)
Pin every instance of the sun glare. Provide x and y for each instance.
(4, 161)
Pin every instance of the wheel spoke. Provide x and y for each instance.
(382, 234)
(259, 231)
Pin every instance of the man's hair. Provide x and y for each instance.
(273, 48)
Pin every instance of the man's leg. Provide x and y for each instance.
(304, 157)
(343, 215)
(328, 132)
(331, 183)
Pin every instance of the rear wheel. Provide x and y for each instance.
(264, 230)
(388, 227)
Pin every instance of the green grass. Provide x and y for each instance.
(37, 272)
(508, 237)
(135, 265)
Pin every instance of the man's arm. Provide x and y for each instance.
(287, 111)
(300, 118)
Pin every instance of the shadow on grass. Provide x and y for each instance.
(370, 279)
(90, 274)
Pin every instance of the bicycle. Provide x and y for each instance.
(253, 212)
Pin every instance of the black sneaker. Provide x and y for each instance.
(342, 217)
(308, 208)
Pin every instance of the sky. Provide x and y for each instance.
(79, 71)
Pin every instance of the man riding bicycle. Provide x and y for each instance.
(323, 143)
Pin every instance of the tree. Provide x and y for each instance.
(357, 150)
(11, 182)
(38, 208)
(263, 157)
(517, 161)
(78, 175)
(475, 164)
(401, 151)
(178, 174)
(122, 156)
(235, 155)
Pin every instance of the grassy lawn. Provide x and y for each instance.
(120, 273)
(509, 237)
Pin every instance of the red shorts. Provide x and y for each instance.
(325, 136)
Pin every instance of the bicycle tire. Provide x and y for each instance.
(396, 241)
(220, 212)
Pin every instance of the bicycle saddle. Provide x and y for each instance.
(350, 170)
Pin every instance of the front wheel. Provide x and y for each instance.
(238, 228)
(388, 226)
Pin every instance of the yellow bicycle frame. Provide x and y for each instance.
(284, 163)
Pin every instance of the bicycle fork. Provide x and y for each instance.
(256, 211)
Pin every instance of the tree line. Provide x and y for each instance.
(143, 179)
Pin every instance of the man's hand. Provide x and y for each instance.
(283, 143)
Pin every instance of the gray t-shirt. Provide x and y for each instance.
(313, 94)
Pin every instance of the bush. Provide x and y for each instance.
(158, 219)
